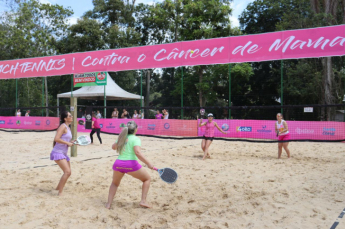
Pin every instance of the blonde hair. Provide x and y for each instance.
(129, 129)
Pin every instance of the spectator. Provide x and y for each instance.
(84, 115)
(135, 115)
(115, 113)
(141, 115)
(166, 114)
(125, 114)
(98, 116)
(158, 115)
(27, 114)
(80, 113)
(18, 114)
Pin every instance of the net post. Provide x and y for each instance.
(181, 92)
(281, 86)
(141, 91)
(229, 91)
(58, 109)
(74, 124)
(16, 95)
(105, 103)
(71, 85)
(42, 94)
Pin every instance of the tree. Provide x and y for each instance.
(32, 29)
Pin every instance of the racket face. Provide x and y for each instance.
(202, 111)
(84, 140)
(168, 175)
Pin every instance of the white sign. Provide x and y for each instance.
(72, 108)
(308, 109)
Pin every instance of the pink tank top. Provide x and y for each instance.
(209, 132)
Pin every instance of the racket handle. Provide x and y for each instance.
(154, 168)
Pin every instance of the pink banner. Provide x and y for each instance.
(165, 127)
(292, 44)
(263, 129)
(29, 123)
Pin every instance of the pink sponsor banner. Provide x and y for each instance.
(305, 43)
(265, 129)
(29, 123)
(165, 127)
(254, 48)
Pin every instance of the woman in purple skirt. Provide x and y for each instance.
(61, 143)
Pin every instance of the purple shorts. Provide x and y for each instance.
(58, 156)
(126, 166)
(284, 137)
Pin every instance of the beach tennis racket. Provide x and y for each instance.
(167, 174)
(202, 112)
(83, 140)
(277, 133)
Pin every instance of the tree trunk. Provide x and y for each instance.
(202, 100)
(147, 96)
(28, 98)
(328, 79)
(46, 92)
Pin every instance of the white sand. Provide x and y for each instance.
(242, 186)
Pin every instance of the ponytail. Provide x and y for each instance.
(121, 141)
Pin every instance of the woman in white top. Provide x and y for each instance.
(283, 134)
(141, 115)
(115, 113)
(18, 114)
(27, 114)
(166, 114)
(135, 115)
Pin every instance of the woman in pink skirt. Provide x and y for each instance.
(209, 134)
(282, 130)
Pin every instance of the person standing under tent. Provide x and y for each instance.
(135, 115)
(98, 115)
(166, 114)
(128, 147)
(80, 113)
(209, 134)
(18, 114)
(27, 114)
(95, 128)
(141, 115)
(115, 113)
(282, 130)
(158, 115)
(61, 143)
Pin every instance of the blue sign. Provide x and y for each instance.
(2, 122)
(244, 129)
(167, 126)
(151, 126)
(264, 130)
(225, 127)
(328, 131)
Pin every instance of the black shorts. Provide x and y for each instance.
(208, 138)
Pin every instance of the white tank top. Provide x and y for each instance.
(166, 116)
(280, 127)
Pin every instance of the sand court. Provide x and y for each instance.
(243, 185)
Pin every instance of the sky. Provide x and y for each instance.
(81, 6)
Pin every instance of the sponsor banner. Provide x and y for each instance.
(29, 123)
(90, 79)
(166, 127)
(291, 44)
(265, 129)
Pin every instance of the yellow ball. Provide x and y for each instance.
(192, 51)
